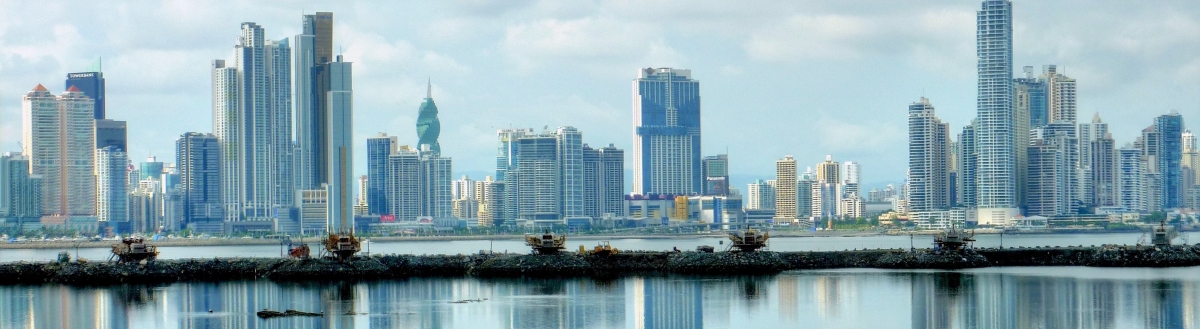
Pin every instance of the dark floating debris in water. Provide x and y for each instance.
(464, 301)
(267, 314)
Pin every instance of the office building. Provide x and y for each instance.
(252, 118)
(379, 149)
(313, 211)
(58, 135)
(785, 191)
(995, 138)
(462, 188)
(112, 190)
(403, 185)
(804, 190)
(312, 79)
(666, 132)
(360, 201)
(603, 181)
(428, 125)
(506, 157)
(1030, 97)
(716, 174)
(435, 175)
(340, 144)
(1064, 135)
(928, 159)
(851, 173)
(760, 195)
(151, 169)
(90, 84)
(1169, 129)
(1102, 172)
(20, 192)
(824, 200)
(1095, 168)
(198, 158)
(145, 206)
(111, 133)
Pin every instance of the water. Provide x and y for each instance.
(1062, 297)
(513, 245)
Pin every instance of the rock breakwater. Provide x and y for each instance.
(571, 264)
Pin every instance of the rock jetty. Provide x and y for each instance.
(572, 264)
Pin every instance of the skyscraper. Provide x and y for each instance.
(90, 83)
(198, 157)
(490, 195)
(716, 174)
(1048, 179)
(20, 192)
(151, 169)
(428, 126)
(1170, 133)
(59, 138)
(252, 122)
(1064, 136)
(928, 159)
(544, 180)
(403, 184)
(1103, 172)
(570, 156)
(1060, 95)
(995, 133)
(1031, 95)
(111, 133)
(111, 190)
(666, 132)
(340, 145)
(1131, 179)
(314, 52)
(760, 195)
(506, 161)
(435, 175)
(829, 171)
(1089, 134)
(603, 181)
(785, 190)
(968, 159)
(379, 148)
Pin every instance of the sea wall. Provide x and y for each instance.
(572, 264)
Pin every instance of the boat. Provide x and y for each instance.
(953, 239)
(547, 243)
(342, 246)
(749, 240)
(133, 249)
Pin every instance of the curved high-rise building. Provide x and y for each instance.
(428, 126)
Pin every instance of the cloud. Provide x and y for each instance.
(599, 44)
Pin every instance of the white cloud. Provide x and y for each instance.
(599, 44)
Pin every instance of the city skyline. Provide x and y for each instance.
(471, 111)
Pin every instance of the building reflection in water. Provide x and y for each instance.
(932, 299)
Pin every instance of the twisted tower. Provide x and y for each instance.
(428, 126)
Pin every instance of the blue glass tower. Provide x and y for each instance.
(92, 85)
(1170, 155)
(666, 132)
(379, 148)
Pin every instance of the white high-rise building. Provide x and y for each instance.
(1089, 133)
(463, 188)
(58, 135)
(403, 186)
(760, 195)
(1060, 95)
(995, 127)
(436, 173)
(112, 190)
(928, 159)
(1131, 182)
(666, 132)
(1189, 141)
(785, 190)
(252, 119)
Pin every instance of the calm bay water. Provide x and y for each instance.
(1064, 297)
(512, 245)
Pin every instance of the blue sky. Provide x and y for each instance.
(802, 78)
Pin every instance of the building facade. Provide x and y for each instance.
(666, 132)
(198, 157)
(785, 190)
(59, 139)
(603, 181)
(928, 159)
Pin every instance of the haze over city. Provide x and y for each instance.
(806, 79)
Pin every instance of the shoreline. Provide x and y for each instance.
(569, 264)
(184, 242)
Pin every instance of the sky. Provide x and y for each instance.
(801, 78)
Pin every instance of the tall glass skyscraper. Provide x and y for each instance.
(252, 119)
(379, 148)
(313, 53)
(340, 145)
(1170, 153)
(995, 132)
(666, 132)
(90, 84)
